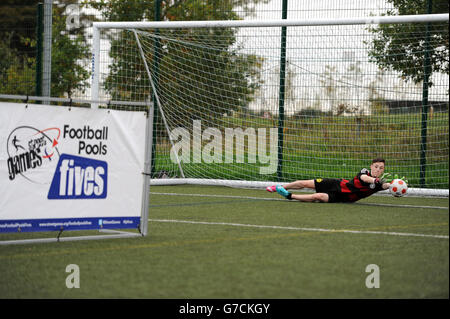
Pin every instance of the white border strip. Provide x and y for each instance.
(301, 228)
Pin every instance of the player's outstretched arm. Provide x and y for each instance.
(368, 179)
(375, 180)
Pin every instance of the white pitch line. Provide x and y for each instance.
(281, 199)
(301, 228)
(218, 196)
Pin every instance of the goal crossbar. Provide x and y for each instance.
(272, 23)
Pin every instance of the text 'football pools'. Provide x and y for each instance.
(91, 141)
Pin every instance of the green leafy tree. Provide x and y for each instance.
(18, 21)
(401, 47)
(17, 73)
(69, 53)
(236, 80)
(18, 50)
(17, 47)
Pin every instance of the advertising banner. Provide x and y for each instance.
(72, 168)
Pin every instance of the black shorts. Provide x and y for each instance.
(332, 187)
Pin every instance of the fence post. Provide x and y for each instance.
(47, 50)
(156, 50)
(281, 95)
(426, 76)
(39, 27)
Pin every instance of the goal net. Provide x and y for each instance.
(249, 103)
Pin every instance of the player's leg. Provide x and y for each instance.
(316, 197)
(294, 185)
(300, 184)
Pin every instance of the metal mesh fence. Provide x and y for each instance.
(323, 76)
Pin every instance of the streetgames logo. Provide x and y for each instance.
(31, 152)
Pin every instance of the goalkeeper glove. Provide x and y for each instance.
(386, 178)
(403, 178)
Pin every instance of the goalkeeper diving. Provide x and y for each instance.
(331, 190)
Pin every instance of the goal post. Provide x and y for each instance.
(345, 103)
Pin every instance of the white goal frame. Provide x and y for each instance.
(98, 26)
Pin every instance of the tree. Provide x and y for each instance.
(401, 47)
(239, 73)
(18, 21)
(17, 73)
(69, 52)
(18, 50)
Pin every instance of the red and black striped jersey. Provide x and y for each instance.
(357, 189)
